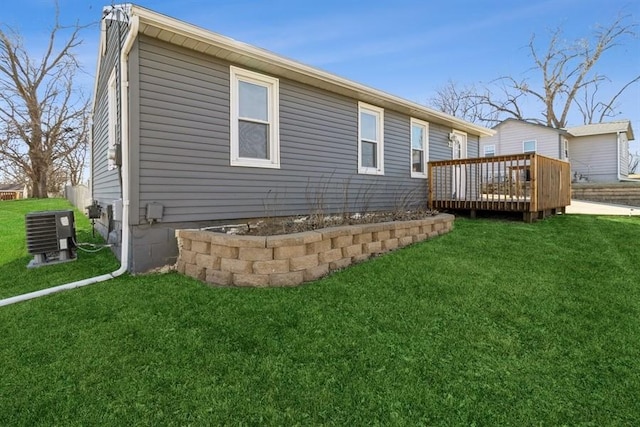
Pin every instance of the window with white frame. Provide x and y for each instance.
(529, 146)
(489, 150)
(370, 139)
(419, 148)
(112, 130)
(255, 140)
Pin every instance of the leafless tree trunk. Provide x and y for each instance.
(39, 110)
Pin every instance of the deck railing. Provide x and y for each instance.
(528, 183)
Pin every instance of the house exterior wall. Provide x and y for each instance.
(623, 156)
(105, 183)
(594, 157)
(511, 134)
(184, 147)
(179, 115)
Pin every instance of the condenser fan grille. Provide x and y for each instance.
(41, 234)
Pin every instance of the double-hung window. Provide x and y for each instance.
(370, 139)
(529, 146)
(419, 148)
(489, 150)
(255, 140)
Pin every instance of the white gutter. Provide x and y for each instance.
(124, 254)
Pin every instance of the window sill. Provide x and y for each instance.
(370, 171)
(254, 164)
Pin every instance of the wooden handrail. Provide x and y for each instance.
(519, 182)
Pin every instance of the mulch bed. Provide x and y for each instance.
(297, 224)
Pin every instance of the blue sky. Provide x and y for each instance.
(407, 48)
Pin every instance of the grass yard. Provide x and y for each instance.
(15, 278)
(496, 323)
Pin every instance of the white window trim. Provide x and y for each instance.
(112, 119)
(379, 112)
(425, 148)
(464, 143)
(535, 146)
(493, 150)
(273, 90)
(565, 149)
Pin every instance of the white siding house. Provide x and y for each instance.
(600, 152)
(517, 137)
(597, 152)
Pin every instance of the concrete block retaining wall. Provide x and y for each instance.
(292, 259)
(620, 193)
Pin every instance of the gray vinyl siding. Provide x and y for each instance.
(594, 157)
(105, 183)
(439, 142)
(473, 146)
(184, 147)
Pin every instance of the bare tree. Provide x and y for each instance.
(568, 76)
(76, 148)
(40, 113)
(634, 162)
(10, 171)
(461, 101)
(594, 110)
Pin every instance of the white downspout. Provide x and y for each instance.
(124, 254)
(618, 154)
(620, 177)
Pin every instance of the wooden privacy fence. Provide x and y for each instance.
(533, 184)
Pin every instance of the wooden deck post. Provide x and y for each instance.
(533, 174)
(430, 184)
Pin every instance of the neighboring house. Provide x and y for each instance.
(597, 152)
(191, 128)
(600, 152)
(516, 137)
(13, 191)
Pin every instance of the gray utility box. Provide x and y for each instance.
(51, 237)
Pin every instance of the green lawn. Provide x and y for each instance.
(15, 278)
(496, 323)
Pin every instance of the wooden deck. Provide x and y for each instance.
(533, 184)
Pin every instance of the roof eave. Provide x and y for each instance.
(181, 33)
(578, 131)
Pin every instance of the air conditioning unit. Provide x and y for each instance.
(51, 237)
